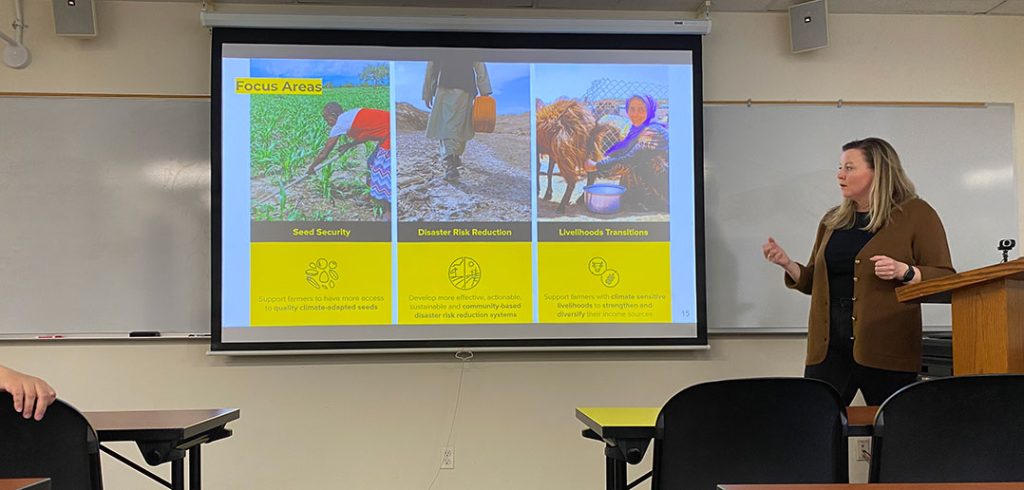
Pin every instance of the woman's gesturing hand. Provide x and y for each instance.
(775, 254)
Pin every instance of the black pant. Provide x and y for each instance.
(841, 371)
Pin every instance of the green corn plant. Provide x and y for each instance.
(356, 187)
(323, 182)
(322, 215)
(263, 212)
(263, 159)
(364, 189)
(282, 200)
(341, 207)
(345, 160)
(289, 163)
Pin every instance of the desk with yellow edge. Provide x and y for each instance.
(626, 433)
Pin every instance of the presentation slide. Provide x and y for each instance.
(419, 196)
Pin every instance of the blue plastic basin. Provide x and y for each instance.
(603, 198)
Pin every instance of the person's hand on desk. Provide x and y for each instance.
(31, 394)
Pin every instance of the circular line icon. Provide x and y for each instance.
(610, 278)
(464, 273)
(597, 266)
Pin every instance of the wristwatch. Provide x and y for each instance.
(909, 275)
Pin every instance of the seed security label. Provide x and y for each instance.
(282, 86)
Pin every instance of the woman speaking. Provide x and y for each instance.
(880, 237)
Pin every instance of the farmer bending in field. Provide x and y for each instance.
(362, 125)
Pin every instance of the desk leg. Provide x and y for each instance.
(178, 474)
(195, 479)
(609, 474)
(615, 474)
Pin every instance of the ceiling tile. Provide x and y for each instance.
(963, 7)
(634, 5)
(740, 5)
(417, 3)
(1009, 7)
(957, 7)
(782, 5)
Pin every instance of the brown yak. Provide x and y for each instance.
(568, 134)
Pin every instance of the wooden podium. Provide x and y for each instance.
(988, 316)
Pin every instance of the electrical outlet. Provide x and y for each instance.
(864, 450)
(448, 458)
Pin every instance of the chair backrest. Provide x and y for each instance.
(763, 430)
(62, 447)
(963, 428)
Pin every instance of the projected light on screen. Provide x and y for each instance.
(433, 190)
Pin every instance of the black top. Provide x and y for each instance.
(842, 249)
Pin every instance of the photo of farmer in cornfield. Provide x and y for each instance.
(324, 157)
(602, 142)
(463, 141)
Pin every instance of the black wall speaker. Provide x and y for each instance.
(808, 26)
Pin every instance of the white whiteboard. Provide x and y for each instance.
(771, 170)
(106, 205)
(106, 216)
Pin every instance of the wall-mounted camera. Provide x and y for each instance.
(1005, 245)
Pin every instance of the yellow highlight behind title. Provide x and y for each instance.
(280, 86)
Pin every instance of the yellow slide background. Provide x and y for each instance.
(320, 283)
(460, 283)
(604, 282)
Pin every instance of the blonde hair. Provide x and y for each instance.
(890, 187)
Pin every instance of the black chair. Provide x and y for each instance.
(959, 429)
(62, 447)
(764, 430)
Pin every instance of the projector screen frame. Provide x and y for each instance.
(455, 39)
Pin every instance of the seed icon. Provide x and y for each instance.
(322, 273)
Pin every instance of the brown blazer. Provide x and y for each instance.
(887, 333)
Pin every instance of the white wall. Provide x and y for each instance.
(377, 422)
(873, 58)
